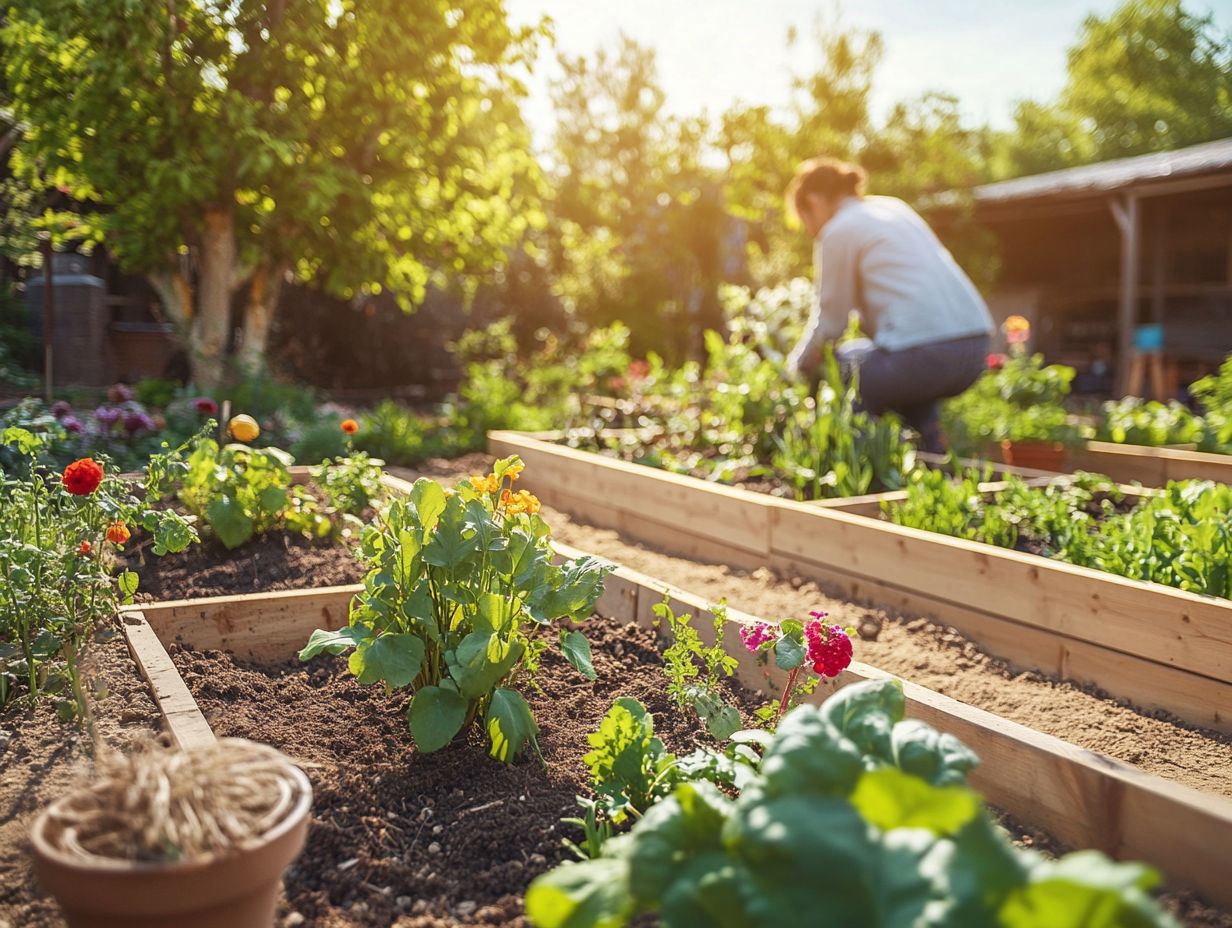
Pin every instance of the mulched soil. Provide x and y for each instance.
(438, 839)
(42, 757)
(278, 560)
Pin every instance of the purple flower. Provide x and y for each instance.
(120, 393)
(754, 636)
(137, 422)
(107, 416)
(72, 425)
(60, 409)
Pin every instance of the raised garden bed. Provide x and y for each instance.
(1158, 647)
(1082, 798)
(1152, 467)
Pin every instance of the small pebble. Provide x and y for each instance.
(294, 919)
(402, 903)
(434, 848)
(420, 906)
(466, 908)
(437, 829)
(536, 860)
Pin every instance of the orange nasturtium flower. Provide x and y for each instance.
(118, 533)
(350, 426)
(82, 477)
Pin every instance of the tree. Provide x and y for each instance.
(1152, 76)
(223, 145)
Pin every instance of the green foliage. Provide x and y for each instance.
(1135, 421)
(55, 585)
(1180, 536)
(694, 670)
(241, 492)
(157, 392)
(359, 145)
(839, 826)
(1023, 400)
(460, 584)
(1150, 76)
(1214, 392)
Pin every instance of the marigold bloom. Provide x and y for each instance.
(118, 533)
(82, 477)
(84, 548)
(243, 428)
(350, 426)
(522, 501)
(1017, 330)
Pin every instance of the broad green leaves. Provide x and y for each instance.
(510, 724)
(831, 832)
(392, 659)
(230, 522)
(576, 649)
(436, 715)
(456, 592)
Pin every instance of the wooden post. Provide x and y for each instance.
(49, 316)
(1125, 211)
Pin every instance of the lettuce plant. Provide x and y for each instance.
(457, 605)
(855, 817)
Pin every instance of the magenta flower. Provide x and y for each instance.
(828, 648)
(137, 422)
(206, 406)
(107, 416)
(754, 636)
(60, 409)
(72, 425)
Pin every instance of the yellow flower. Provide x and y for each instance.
(522, 501)
(1016, 324)
(478, 483)
(515, 470)
(488, 484)
(243, 428)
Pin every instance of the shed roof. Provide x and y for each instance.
(1094, 179)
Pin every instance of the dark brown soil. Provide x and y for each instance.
(278, 560)
(437, 839)
(42, 757)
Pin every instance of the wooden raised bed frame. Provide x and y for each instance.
(1083, 798)
(1152, 467)
(1159, 647)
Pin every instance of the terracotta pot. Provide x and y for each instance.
(238, 890)
(1037, 455)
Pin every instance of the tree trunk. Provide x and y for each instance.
(211, 328)
(176, 293)
(264, 288)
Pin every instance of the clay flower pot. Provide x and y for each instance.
(235, 890)
(1037, 455)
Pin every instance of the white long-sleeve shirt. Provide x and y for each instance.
(877, 256)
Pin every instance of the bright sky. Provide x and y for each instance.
(990, 53)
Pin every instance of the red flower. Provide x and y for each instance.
(828, 647)
(639, 369)
(350, 426)
(206, 406)
(84, 548)
(995, 361)
(82, 477)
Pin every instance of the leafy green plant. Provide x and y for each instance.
(350, 484)
(56, 533)
(1135, 421)
(241, 492)
(1214, 393)
(1022, 400)
(694, 669)
(457, 605)
(1180, 536)
(855, 817)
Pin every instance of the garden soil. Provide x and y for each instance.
(436, 839)
(42, 757)
(277, 560)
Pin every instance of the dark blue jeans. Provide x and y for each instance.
(914, 381)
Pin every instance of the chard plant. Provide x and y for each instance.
(57, 535)
(853, 817)
(458, 605)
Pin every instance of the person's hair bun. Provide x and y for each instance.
(827, 177)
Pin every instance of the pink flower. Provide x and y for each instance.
(72, 425)
(639, 369)
(754, 636)
(996, 361)
(60, 409)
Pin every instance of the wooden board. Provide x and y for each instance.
(1152, 467)
(1155, 646)
(1082, 797)
(258, 627)
(181, 716)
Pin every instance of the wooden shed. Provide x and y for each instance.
(1089, 254)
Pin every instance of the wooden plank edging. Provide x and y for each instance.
(181, 715)
(1081, 797)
